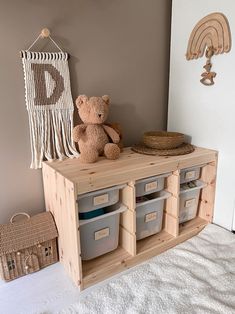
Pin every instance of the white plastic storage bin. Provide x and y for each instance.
(149, 215)
(100, 235)
(150, 185)
(97, 199)
(190, 174)
(189, 202)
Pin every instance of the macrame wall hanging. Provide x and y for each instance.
(210, 36)
(49, 104)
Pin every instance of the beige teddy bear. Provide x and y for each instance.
(93, 136)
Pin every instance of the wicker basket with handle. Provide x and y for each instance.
(27, 245)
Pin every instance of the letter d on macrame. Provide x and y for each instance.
(41, 86)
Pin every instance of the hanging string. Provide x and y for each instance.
(55, 44)
(41, 36)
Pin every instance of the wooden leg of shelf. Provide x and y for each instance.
(128, 196)
(171, 220)
(128, 241)
(128, 220)
(207, 199)
(171, 225)
(61, 201)
(173, 183)
(172, 206)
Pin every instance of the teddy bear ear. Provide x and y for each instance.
(81, 99)
(106, 99)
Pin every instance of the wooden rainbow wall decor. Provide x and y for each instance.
(210, 36)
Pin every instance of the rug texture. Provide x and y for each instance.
(196, 277)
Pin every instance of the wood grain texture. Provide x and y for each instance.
(211, 31)
(60, 198)
(115, 262)
(129, 167)
(64, 180)
(207, 198)
(127, 241)
(128, 195)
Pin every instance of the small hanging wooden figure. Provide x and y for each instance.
(208, 76)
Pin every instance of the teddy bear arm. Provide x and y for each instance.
(78, 132)
(112, 134)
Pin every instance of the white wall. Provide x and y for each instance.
(205, 113)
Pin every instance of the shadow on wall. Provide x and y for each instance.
(132, 125)
(188, 138)
(129, 120)
(74, 85)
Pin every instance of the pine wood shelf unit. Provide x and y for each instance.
(65, 180)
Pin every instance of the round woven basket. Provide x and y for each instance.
(163, 139)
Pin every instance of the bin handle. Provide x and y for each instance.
(101, 191)
(114, 212)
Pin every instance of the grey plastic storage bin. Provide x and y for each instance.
(190, 174)
(100, 235)
(189, 202)
(97, 199)
(150, 185)
(149, 215)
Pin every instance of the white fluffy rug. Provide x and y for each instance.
(197, 276)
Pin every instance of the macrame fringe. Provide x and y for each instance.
(51, 135)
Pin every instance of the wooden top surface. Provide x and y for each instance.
(130, 166)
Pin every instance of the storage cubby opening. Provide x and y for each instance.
(101, 232)
(151, 203)
(128, 246)
(150, 184)
(193, 180)
(189, 203)
(196, 223)
(190, 174)
(102, 198)
(104, 262)
(153, 241)
(157, 239)
(192, 185)
(206, 200)
(115, 258)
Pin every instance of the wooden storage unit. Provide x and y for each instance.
(65, 180)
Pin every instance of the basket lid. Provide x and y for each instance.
(26, 233)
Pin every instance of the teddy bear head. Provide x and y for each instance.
(93, 110)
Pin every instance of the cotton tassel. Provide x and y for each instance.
(51, 136)
(50, 106)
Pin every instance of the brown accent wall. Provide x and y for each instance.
(118, 47)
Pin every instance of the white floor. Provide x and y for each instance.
(196, 277)
(46, 291)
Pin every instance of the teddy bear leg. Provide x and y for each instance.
(89, 155)
(111, 151)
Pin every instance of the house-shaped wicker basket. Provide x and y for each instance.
(27, 245)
